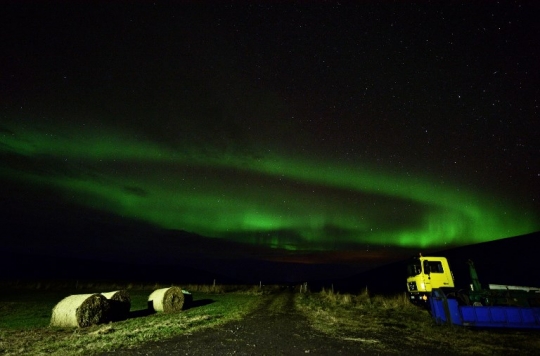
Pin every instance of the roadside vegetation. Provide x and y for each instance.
(392, 325)
(25, 314)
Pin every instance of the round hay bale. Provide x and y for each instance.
(81, 310)
(120, 302)
(166, 300)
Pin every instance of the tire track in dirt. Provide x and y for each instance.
(275, 328)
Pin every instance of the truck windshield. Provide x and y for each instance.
(414, 268)
(434, 267)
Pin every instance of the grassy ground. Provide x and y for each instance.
(384, 325)
(25, 315)
(392, 325)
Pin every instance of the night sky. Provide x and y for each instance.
(345, 130)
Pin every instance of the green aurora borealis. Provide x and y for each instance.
(285, 202)
(243, 138)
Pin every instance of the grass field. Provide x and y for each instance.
(25, 315)
(379, 324)
(392, 325)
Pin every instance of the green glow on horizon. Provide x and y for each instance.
(279, 201)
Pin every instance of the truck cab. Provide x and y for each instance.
(425, 274)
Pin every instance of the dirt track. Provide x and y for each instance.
(274, 329)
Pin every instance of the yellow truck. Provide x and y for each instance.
(426, 273)
(430, 283)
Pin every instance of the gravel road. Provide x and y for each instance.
(274, 329)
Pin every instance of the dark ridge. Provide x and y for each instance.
(29, 267)
(511, 261)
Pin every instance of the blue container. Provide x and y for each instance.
(447, 311)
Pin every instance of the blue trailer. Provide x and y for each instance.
(447, 310)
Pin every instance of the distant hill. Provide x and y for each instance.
(47, 240)
(30, 267)
(44, 240)
(512, 260)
